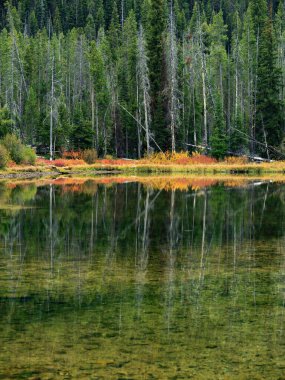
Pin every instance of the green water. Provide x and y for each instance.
(128, 282)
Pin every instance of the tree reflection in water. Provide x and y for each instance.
(144, 278)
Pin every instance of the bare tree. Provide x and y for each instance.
(200, 65)
(143, 79)
(172, 64)
(51, 111)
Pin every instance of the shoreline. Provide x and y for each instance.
(53, 174)
(141, 169)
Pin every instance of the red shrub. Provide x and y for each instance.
(197, 158)
(12, 164)
(62, 163)
(59, 163)
(43, 162)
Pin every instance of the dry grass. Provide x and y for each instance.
(184, 163)
(218, 168)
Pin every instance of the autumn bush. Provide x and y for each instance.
(89, 156)
(201, 159)
(28, 156)
(15, 147)
(179, 158)
(236, 160)
(158, 158)
(4, 157)
(18, 152)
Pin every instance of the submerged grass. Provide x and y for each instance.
(76, 332)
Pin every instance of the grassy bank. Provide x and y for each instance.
(201, 169)
(182, 165)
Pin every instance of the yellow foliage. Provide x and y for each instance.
(243, 160)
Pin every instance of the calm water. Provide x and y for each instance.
(125, 281)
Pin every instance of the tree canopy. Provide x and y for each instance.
(128, 77)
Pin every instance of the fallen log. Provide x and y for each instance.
(252, 158)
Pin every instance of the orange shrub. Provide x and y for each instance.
(181, 158)
(63, 163)
(12, 164)
(43, 162)
(198, 158)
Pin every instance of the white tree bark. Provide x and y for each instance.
(51, 111)
(172, 62)
(143, 76)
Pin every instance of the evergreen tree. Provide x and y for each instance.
(248, 52)
(99, 96)
(57, 21)
(6, 123)
(269, 107)
(258, 10)
(237, 130)
(33, 23)
(31, 117)
(90, 29)
(114, 32)
(100, 15)
(118, 76)
(41, 12)
(128, 83)
(218, 140)
(156, 27)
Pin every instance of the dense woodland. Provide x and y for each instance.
(129, 77)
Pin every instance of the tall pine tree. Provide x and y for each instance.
(269, 107)
(156, 32)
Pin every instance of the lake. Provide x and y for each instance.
(152, 278)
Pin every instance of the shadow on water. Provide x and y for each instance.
(156, 278)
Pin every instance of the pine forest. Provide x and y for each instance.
(132, 77)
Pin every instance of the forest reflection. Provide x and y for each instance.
(152, 258)
(177, 215)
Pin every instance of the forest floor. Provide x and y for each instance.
(140, 167)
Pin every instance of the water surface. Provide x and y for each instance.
(142, 281)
